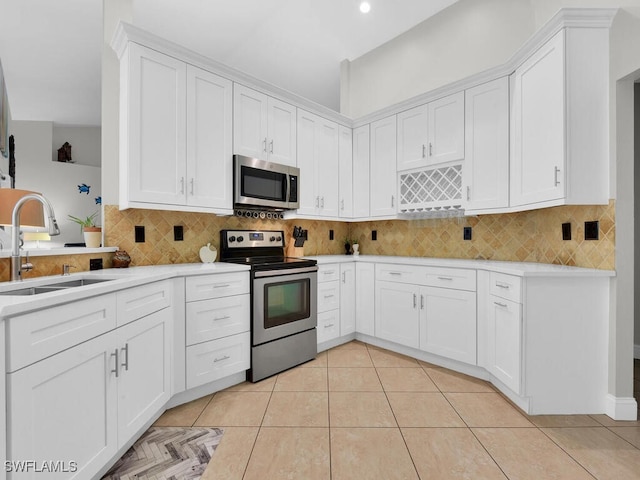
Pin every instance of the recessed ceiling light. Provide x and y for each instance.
(365, 7)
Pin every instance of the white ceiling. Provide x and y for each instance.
(51, 50)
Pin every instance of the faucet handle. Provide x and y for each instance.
(27, 266)
(66, 267)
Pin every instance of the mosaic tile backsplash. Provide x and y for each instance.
(534, 236)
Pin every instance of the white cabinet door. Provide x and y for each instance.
(485, 176)
(209, 139)
(327, 167)
(413, 138)
(65, 408)
(307, 146)
(153, 133)
(538, 126)
(347, 298)
(365, 295)
(345, 172)
(144, 371)
(446, 129)
(328, 325)
(383, 167)
(250, 118)
(448, 323)
(504, 341)
(397, 313)
(281, 132)
(361, 146)
(216, 359)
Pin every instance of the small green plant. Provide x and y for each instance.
(85, 222)
(354, 241)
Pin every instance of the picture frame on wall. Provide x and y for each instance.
(4, 116)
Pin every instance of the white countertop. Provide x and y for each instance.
(122, 278)
(48, 252)
(522, 269)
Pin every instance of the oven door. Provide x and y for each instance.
(284, 303)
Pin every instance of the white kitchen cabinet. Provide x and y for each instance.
(383, 195)
(144, 381)
(432, 133)
(328, 325)
(347, 298)
(175, 134)
(319, 161)
(217, 317)
(217, 359)
(329, 295)
(504, 341)
(448, 323)
(263, 127)
(345, 172)
(361, 180)
(397, 315)
(559, 122)
(71, 396)
(485, 176)
(365, 298)
(329, 302)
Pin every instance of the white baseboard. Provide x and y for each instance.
(636, 351)
(621, 408)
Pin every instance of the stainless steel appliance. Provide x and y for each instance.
(283, 300)
(265, 185)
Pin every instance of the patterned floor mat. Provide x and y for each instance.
(168, 453)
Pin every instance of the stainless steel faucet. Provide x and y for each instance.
(16, 266)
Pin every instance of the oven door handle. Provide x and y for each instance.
(284, 271)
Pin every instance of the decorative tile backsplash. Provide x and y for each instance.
(534, 236)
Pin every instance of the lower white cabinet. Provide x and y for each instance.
(365, 295)
(216, 359)
(448, 323)
(347, 298)
(504, 341)
(328, 325)
(329, 286)
(397, 317)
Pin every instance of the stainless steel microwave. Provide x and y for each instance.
(268, 185)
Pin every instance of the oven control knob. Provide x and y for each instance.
(240, 239)
(278, 238)
(272, 239)
(232, 239)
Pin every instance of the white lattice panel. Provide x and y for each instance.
(435, 190)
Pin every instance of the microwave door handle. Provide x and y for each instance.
(288, 192)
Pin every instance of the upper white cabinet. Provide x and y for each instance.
(319, 161)
(383, 195)
(431, 133)
(263, 127)
(176, 135)
(559, 122)
(485, 176)
(361, 146)
(345, 174)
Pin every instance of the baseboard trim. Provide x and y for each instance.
(621, 408)
(636, 351)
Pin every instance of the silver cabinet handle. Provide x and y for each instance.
(264, 145)
(421, 302)
(430, 149)
(468, 193)
(329, 325)
(271, 146)
(329, 272)
(321, 202)
(424, 151)
(503, 305)
(556, 182)
(446, 278)
(216, 360)
(226, 317)
(415, 300)
(393, 201)
(117, 364)
(317, 202)
(192, 180)
(395, 273)
(182, 185)
(344, 277)
(342, 204)
(502, 285)
(126, 357)
(329, 296)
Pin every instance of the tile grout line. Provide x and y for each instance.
(567, 453)
(329, 420)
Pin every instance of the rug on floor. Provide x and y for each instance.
(168, 453)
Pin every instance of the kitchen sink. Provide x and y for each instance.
(54, 287)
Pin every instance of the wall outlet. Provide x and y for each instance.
(466, 233)
(178, 233)
(139, 234)
(592, 230)
(330, 234)
(374, 235)
(566, 231)
(95, 264)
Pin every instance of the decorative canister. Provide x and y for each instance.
(121, 259)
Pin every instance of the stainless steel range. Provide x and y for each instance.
(283, 300)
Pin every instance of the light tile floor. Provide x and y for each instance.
(360, 412)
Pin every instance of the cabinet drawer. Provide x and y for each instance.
(328, 296)
(141, 301)
(217, 318)
(328, 273)
(217, 359)
(40, 334)
(456, 278)
(506, 286)
(204, 287)
(328, 325)
(400, 273)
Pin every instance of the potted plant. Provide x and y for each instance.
(92, 233)
(355, 246)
